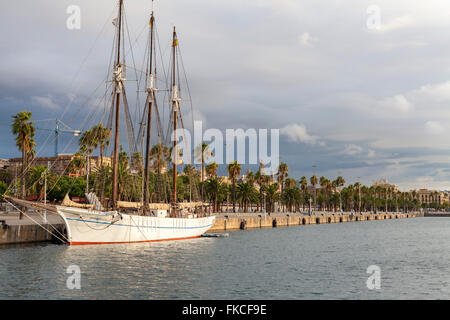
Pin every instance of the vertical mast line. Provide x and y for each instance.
(117, 90)
(150, 98)
(175, 109)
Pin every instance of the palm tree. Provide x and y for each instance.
(414, 196)
(339, 182)
(378, 190)
(282, 174)
(211, 169)
(250, 176)
(304, 187)
(290, 194)
(245, 193)
(323, 183)
(101, 138)
(87, 142)
(314, 181)
(272, 195)
(260, 181)
(205, 152)
(124, 177)
(160, 155)
(234, 170)
(358, 190)
(289, 183)
(24, 131)
(213, 187)
(77, 164)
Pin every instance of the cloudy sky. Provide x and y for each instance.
(349, 96)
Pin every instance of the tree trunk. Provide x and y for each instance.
(234, 196)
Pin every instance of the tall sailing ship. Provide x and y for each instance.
(134, 222)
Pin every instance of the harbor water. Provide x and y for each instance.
(327, 261)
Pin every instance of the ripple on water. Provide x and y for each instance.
(312, 262)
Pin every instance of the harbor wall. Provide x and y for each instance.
(255, 222)
(26, 233)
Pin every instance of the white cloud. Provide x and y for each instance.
(307, 40)
(438, 92)
(434, 127)
(352, 149)
(298, 133)
(45, 102)
(397, 103)
(397, 23)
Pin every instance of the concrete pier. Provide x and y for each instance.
(244, 221)
(14, 231)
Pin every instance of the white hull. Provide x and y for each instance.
(91, 227)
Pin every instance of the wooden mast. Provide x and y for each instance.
(175, 101)
(150, 98)
(117, 90)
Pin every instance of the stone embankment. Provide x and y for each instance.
(31, 228)
(232, 221)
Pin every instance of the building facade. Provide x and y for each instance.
(63, 164)
(432, 196)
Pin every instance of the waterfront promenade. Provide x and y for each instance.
(235, 221)
(30, 229)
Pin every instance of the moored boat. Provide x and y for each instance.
(133, 222)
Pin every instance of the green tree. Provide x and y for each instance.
(246, 193)
(314, 182)
(234, 170)
(272, 196)
(211, 169)
(24, 131)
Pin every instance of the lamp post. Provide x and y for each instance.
(310, 202)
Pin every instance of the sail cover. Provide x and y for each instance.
(69, 203)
